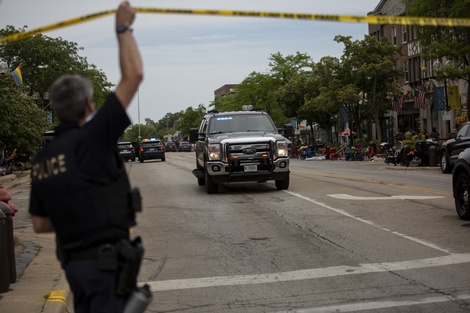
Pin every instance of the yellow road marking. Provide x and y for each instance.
(57, 296)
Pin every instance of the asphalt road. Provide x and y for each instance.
(345, 237)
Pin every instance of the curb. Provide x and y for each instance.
(58, 299)
(410, 168)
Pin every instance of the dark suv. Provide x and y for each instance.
(126, 151)
(170, 146)
(151, 149)
(450, 150)
(184, 146)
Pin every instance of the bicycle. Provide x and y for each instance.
(13, 166)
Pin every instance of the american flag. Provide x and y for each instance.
(397, 103)
(419, 99)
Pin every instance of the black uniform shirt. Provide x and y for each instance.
(80, 183)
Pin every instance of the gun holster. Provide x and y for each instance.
(130, 255)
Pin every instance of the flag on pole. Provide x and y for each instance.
(454, 97)
(16, 74)
(397, 103)
(419, 99)
(439, 99)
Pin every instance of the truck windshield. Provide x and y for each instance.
(241, 123)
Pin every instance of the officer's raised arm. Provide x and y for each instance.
(129, 56)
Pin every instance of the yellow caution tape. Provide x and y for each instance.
(57, 296)
(371, 19)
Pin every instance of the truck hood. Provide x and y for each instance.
(245, 137)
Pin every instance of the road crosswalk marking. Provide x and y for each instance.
(345, 196)
(314, 273)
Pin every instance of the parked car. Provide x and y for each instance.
(126, 151)
(151, 149)
(170, 146)
(461, 184)
(185, 146)
(450, 150)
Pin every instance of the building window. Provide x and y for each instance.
(404, 34)
(394, 35)
(415, 33)
(406, 72)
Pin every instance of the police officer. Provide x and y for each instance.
(80, 189)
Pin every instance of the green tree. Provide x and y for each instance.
(43, 60)
(450, 42)
(191, 118)
(283, 69)
(366, 78)
(132, 133)
(321, 102)
(225, 103)
(23, 122)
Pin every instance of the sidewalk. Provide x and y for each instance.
(41, 286)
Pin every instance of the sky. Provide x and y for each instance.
(187, 57)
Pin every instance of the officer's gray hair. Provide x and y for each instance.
(69, 95)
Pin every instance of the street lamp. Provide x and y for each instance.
(437, 65)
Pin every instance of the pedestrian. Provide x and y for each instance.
(409, 134)
(80, 189)
(434, 134)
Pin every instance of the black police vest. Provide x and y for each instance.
(85, 211)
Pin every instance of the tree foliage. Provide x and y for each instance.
(23, 122)
(43, 59)
(191, 118)
(366, 78)
(453, 43)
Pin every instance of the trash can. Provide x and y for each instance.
(10, 241)
(403, 157)
(433, 156)
(4, 268)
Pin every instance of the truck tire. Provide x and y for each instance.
(201, 181)
(282, 184)
(211, 187)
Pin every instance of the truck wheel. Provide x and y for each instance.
(283, 183)
(201, 181)
(211, 187)
(462, 190)
(445, 166)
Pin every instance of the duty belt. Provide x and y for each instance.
(90, 253)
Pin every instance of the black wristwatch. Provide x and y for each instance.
(121, 28)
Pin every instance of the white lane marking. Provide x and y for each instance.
(344, 196)
(315, 273)
(342, 212)
(375, 305)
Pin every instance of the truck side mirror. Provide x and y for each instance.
(193, 134)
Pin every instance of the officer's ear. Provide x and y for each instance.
(90, 106)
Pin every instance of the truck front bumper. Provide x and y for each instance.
(222, 172)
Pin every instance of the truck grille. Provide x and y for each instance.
(239, 155)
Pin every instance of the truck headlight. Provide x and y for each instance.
(282, 151)
(213, 151)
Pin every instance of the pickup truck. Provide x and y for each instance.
(240, 146)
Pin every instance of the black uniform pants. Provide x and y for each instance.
(93, 289)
